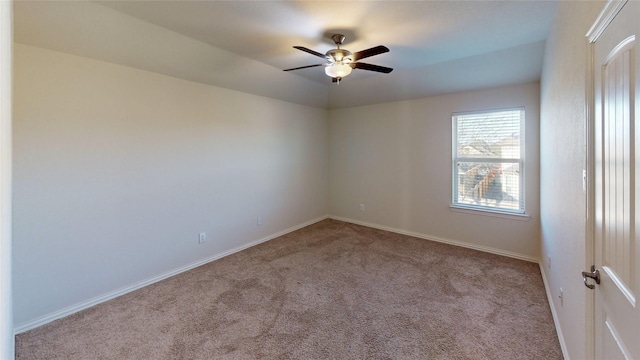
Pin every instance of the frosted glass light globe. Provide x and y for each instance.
(338, 70)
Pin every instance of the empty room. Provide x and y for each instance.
(319, 180)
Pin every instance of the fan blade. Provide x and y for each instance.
(370, 52)
(303, 67)
(370, 67)
(312, 52)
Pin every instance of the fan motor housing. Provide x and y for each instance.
(340, 55)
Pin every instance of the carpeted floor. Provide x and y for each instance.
(332, 290)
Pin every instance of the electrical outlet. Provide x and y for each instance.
(361, 207)
(259, 221)
(202, 238)
(561, 296)
(549, 261)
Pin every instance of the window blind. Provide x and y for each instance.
(488, 160)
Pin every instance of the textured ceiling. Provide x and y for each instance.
(436, 46)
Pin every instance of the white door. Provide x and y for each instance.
(617, 186)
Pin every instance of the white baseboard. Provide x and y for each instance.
(554, 314)
(42, 320)
(441, 239)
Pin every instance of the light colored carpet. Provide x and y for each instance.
(332, 290)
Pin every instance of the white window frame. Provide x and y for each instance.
(489, 210)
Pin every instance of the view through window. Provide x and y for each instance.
(488, 160)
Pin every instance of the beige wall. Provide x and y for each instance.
(6, 306)
(396, 159)
(562, 158)
(117, 170)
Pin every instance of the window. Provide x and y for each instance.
(488, 160)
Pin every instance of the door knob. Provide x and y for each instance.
(594, 274)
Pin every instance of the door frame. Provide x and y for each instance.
(608, 13)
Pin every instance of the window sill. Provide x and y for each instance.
(484, 212)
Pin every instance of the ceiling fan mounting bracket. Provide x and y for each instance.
(338, 39)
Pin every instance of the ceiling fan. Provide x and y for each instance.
(340, 62)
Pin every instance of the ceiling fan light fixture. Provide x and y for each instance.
(338, 70)
(340, 62)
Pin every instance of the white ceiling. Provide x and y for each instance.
(435, 47)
